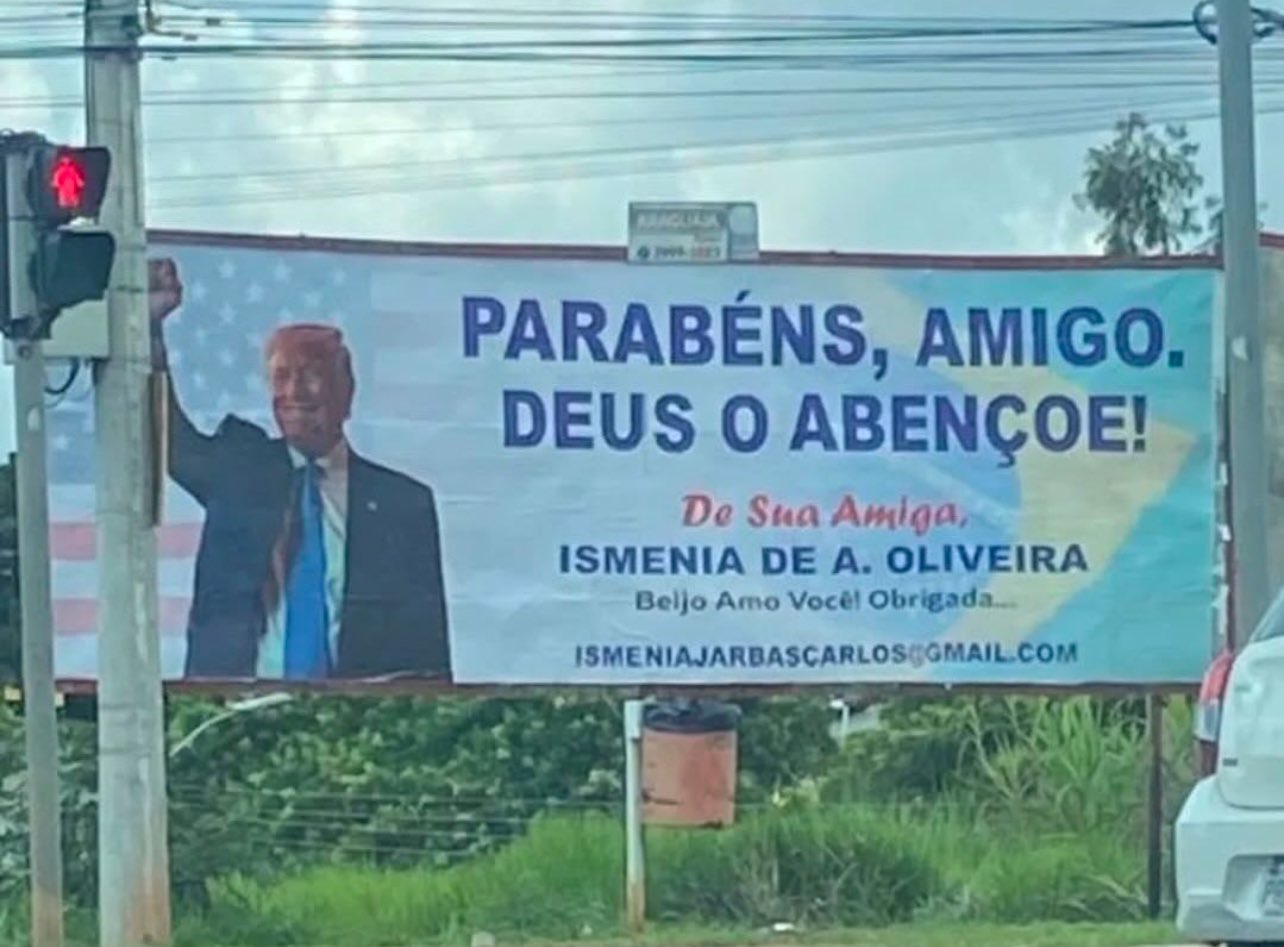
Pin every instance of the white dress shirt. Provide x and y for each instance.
(334, 506)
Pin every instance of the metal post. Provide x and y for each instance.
(1155, 807)
(132, 826)
(634, 852)
(1244, 333)
(39, 698)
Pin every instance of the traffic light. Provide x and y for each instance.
(69, 264)
(65, 183)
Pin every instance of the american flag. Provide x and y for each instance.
(233, 298)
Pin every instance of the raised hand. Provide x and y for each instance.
(164, 288)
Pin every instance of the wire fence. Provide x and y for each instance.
(1034, 830)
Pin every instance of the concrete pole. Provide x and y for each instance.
(39, 698)
(1244, 330)
(132, 823)
(634, 850)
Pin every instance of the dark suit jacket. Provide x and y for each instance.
(393, 618)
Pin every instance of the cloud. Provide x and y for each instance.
(872, 201)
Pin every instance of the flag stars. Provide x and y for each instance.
(254, 293)
(284, 316)
(227, 313)
(227, 269)
(227, 358)
(282, 272)
(312, 299)
(338, 277)
(199, 291)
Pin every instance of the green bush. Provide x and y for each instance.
(78, 790)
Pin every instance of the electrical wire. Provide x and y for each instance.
(794, 31)
(427, 166)
(926, 110)
(563, 47)
(999, 89)
(667, 159)
(672, 43)
(624, 51)
(73, 372)
(648, 11)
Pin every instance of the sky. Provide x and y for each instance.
(455, 146)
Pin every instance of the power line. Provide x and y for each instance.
(421, 131)
(649, 11)
(558, 51)
(492, 54)
(791, 30)
(982, 25)
(1004, 89)
(406, 165)
(666, 160)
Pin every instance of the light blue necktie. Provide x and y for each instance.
(307, 650)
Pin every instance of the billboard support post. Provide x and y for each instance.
(38, 691)
(132, 823)
(635, 856)
(1244, 335)
(1155, 806)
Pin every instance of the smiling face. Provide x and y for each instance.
(310, 375)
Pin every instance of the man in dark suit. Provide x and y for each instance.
(314, 562)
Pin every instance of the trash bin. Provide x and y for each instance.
(689, 762)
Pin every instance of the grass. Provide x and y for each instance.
(830, 868)
(916, 935)
(1035, 842)
(935, 934)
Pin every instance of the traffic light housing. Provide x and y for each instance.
(64, 183)
(69, 264)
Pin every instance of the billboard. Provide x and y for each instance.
(550, 467)
(1272, 280)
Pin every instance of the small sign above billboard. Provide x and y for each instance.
(693, 232)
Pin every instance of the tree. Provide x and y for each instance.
(1146, 187)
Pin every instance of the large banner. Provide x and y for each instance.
(526, 469)
(1272, 278)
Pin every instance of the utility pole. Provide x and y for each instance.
(38, 694)
(132, 822)
(1243, 315)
